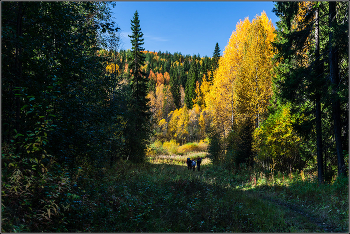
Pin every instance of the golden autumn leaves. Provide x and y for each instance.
(112, 68)
(242, 83)
(239, 89)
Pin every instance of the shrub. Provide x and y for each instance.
(33, 194)
(171, 146)
(214, 148)
(203, 145)
(189, 147)
(156, 148)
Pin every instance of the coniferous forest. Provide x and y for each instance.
(95, 138)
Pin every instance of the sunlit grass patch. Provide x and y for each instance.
(193, 147)
(327, 201)
(173, 148)
(179, 159)
(162, 196)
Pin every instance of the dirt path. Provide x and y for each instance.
(296, 217)
(299, 216)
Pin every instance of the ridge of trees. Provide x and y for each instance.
(175, 88)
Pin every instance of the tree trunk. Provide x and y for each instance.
(334, 77)
(319, 139)
(18, 67)
(318, 111)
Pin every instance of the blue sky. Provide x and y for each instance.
(186, 27)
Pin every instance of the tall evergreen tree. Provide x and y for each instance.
(56, 106)
(175, 87)
(297, 85)
(215, 61)
(335, 82)
(216, 56)
(308, 67)
(138, 127)
(190, 90)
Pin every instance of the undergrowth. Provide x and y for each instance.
(329, 201)
(168, 198)
(162, 195)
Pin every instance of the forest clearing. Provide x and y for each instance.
(96, 138)
(162, 195)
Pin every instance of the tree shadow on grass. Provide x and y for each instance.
(170, 198)
(165, 197)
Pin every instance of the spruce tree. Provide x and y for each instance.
(175, 87)
(190, 90)
(216, 56)
(305, 79)
(138, 127)
(292, 71)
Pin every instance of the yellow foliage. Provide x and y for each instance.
(189, 147)
(204, 123)
(203, 145)
(162, 122)
(276, 141)
(157, 144)
(161, 102)
(171, 146)
(163, 126)
(221, 99)
(192, 147)
(242, 82)
(199, 96)
(204, 90)
(112, 68)
(254, 82)
(178, 124)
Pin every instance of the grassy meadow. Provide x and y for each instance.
(162, 195)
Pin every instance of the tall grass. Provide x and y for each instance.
(168, 198)
(329, 202)
(173, 148)
(163, 196)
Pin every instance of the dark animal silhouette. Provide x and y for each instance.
(189, 164)
(199, 161)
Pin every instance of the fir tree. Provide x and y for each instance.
(190, 90)
(216, 56)
(138, 127)
(175, 87)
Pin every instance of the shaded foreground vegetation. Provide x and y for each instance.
(163, 197)
(76, 118)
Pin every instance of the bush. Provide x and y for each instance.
(341, 185)
(189, 147)
(33, 194)
(214, 148)
(171, 147)
(156, 149)
(203, 145)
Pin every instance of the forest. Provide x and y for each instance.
(95, 138)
